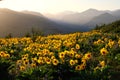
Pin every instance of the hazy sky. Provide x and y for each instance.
(55, 6)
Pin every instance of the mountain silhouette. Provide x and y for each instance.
(88, 18)
(105, 18)
(18, 23)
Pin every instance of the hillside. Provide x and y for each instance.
(64, 27)
(116, 12)
(76, 17)
(18, 23)
(89, 18)
(113, 27)
(90, 55)
(105, 18)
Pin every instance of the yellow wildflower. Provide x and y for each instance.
(34, 59)
(77, 67)
(48, 60)
(72, 62)
(61, 55)
(33, 65)
(80, 67)
(2, 54)
(40, 61)
(7, 55)
(103, 51)
(19, 62)
(72, 53)
(55, 62)
(88, 56)
(83, 61)
(111, 43)
(26, 62)
(78, 56)
(22, 68)
(11, 51)
(76, 61)
(77, 46)
(102, 63)
(52, 57)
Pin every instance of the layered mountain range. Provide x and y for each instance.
(20, 23)
(89, 18)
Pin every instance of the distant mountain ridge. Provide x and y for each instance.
(32, 13)
(18, 23)
(89, 18)
(116, 12)
(104, 18)
(85, 20)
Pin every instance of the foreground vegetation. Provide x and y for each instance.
(79, 56)
(113, 27)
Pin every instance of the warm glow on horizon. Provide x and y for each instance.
(54, 6)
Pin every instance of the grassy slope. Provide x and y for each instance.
(19, 23)
(112, 27)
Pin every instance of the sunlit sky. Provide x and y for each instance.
(55, 6)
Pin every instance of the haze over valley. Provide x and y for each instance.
(88, 18)
(19, 23)
(54, 17)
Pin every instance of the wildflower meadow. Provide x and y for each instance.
(77, 56)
